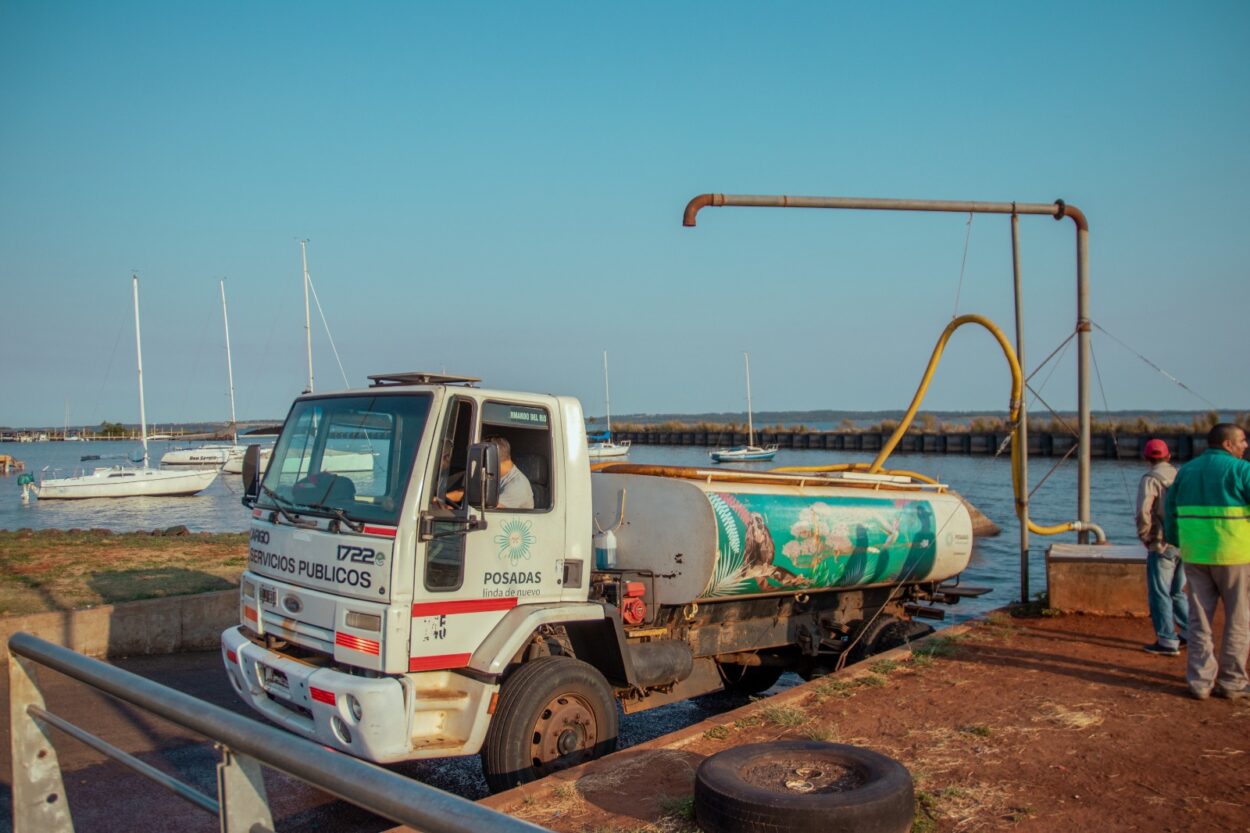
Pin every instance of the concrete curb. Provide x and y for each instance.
(152, 626)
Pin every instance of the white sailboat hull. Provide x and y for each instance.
(599, 451)
(235, 464)
(747, 454)
(119, 481)
(204, 456)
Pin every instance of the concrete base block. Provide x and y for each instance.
(153, 626)
(1107, 579)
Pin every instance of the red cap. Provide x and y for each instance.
(1157, 450)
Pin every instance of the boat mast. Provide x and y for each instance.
(607, 395)
(750, 420)
(303, 251)
(143, 417)
(225, 320)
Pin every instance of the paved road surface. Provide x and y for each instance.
(105, 796)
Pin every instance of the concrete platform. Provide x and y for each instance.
(1107, 579)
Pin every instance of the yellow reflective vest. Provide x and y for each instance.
(1207, 510)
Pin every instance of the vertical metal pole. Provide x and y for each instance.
(1082, 378)
(39, 803)
(607, 395)
(243, 803)
(225, 320)
(303, 253)
(143, 417)
(1023, 433)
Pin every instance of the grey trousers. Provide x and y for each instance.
(1207, 586)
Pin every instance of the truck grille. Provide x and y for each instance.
(301, 633)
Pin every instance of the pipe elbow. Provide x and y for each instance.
(1076, 215)
(701, 201)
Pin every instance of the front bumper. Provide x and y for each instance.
(427, 715)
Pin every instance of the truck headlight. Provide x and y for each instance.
(353, 705)
(249, 589)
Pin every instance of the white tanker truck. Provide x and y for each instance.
(393, 610)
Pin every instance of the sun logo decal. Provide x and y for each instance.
(515, 540)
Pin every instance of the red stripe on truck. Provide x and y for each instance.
(438, 663)
(249, 613)
(385, 531)
(464, 606)
(322, 696)
(355, 643)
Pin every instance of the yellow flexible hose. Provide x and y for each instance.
(1017, 386)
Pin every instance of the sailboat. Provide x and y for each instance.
(128, 481)
(602, 446)
(214, 454)
(749, 452)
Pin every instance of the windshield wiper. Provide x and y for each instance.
(279, 500)
(339, 515)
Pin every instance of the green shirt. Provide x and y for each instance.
(1207, 510)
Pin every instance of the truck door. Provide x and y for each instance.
(470, 580)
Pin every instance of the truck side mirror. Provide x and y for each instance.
(251, 475)
(481, 482)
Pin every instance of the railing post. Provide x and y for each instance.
(241, 796)
(39, 802)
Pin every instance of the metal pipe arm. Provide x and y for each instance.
(1058, 209)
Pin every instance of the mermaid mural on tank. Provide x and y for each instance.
(767, 543)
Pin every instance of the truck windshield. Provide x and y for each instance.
(348, 456)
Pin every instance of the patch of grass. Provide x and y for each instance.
(1018, 814)
(564, 791)
(748, 721)
(784, 716)
(1038, 606)
(717, 733)
(835, 688)
(884, 666)
(937, 647)
(926, 807)
(870, 681)
(681, 807)
(52, 570)
(919, 662)
(820, 732)
(979, 731)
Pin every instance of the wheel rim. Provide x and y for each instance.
(564, 735)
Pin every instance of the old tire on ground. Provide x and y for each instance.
(553, 713)
(802, 786)
(750, 679)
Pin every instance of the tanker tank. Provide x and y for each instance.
(710, 536)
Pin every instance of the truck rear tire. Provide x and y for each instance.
(802, 787)
(553, 713)
(879, 635)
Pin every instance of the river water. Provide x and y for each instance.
(985, 481)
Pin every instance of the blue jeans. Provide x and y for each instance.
(1165, 584)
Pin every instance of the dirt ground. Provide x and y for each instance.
(1027, 724)
(53, 569)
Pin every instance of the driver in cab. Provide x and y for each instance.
(515, 491)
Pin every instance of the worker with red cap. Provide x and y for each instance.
(1165, 579)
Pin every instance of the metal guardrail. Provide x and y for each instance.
(39, 801)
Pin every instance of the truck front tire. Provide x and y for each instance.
(553, 713)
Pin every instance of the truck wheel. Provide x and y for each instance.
(802, 786)
(750, 679)
(553, 713)
(882, 634)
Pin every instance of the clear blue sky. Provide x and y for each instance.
(495, 189)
